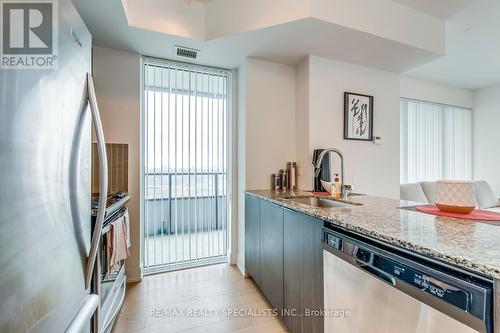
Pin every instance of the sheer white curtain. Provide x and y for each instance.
(435, 142)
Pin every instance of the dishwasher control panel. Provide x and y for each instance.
(441, 287)
(332, 241)
(428, 284)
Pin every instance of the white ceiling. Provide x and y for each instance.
(438, 8)
(472, 58)
(472, 40)
(286, 42)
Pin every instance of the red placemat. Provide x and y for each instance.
(320, 193)
(480, 215)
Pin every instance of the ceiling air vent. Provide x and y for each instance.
(185, 52)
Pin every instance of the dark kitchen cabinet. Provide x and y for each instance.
(303, 272)
(283, 255)
(312, 273)
(292, 284)
(252, 237)
(271, 253)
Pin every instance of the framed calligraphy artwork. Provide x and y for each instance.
(358, 117)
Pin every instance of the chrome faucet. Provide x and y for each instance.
(317, 168)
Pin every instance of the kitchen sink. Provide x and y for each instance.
(319, 202)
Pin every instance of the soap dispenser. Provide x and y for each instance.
(338, 187)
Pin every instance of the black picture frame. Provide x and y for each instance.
(363, 133)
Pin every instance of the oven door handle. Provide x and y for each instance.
(117, 308)
(103, 179)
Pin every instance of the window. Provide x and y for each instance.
(435, 142)
(185, 164)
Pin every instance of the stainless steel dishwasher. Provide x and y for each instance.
(370, 286)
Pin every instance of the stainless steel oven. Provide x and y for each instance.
(112, 282)
(373, 287)
(113, 279)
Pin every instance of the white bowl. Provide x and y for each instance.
(327, 186)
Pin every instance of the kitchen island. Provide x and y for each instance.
(468, 245)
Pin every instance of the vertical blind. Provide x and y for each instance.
(185, 163)
(435, 142)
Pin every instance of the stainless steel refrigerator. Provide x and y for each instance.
(46, 239)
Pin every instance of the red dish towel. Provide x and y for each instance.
(479, 215)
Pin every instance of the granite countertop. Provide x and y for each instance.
(471, 245)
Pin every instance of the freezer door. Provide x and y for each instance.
(357, 302)
(45, 186)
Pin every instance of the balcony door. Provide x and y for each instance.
(185, 165)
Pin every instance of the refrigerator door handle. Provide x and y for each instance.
(103, 179)
(84, 315)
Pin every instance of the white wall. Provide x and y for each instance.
(309, 99)
(266, 130)
(486, 136)
(117, 83)
(435, 92)
(234, 172)
(302, 103)
(269, 120)
(241, 171)
(373, 169)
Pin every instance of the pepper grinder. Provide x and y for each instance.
(291, 168)
(284, 179)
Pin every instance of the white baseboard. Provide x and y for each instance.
(233, 258)
(133, 274)
(134, 280)
(241, 269)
